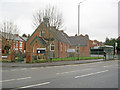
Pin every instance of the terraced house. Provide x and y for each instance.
(47, 41)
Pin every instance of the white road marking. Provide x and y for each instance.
(91, 74)
(34, 68)
(105, 66)
(110, 65)
(23, 78)
(15, 79)
(74, 71)
(24, 69)
(35, 85)
(72, 65)
(95, 62)
(7, 80)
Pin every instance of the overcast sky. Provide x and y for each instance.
(98, 18)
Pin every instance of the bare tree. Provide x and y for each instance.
(8, 31)
(55, 17)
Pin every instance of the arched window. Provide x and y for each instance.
(52, 47)
(42, 33)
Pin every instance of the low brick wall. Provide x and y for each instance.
(8, 57)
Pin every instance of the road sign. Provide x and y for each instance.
(71, 51)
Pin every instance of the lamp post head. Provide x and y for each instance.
(81, 2)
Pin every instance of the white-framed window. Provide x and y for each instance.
(42, 33)
(77, 49)
(16, 43)
(52, 47)
(21, 44)
(20, 49)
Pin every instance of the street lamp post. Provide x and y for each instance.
(78, 48)
(79, 16)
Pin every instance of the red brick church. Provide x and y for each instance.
(47, 41)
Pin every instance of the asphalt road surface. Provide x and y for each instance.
(91, 75)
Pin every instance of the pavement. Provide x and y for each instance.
(103, 74)
(58, 63)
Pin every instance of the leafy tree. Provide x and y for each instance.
(107, 41)
(118, 44)
(7, 47)
(110, 42)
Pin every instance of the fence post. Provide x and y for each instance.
(27, 57)
(12, 57)
(31, 57)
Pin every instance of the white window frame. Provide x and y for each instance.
(42, 33)
(16, 43)
(21, 44)
(52, 44)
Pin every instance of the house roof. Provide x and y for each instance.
(11, 36)
(60, 35)
(72, 40)
(39, 39)
(78, 40)
(24, 38)
(63, 37)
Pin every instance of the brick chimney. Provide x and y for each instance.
(81, 35)
(28, 35)
(75, 34)
(62, 31)
(46, 21)
(17, 34)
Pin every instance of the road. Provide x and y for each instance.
(91, 75)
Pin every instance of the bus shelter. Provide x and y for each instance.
(106, 51)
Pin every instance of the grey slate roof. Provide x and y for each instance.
(25, 38)
(60, 35)
(78, 40)
(73, 40)
(11, 36)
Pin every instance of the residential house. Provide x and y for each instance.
(95, 43)
(17, 43)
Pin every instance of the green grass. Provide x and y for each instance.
(6, 60)
(66, 59)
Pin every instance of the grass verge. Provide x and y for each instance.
(66, 59)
